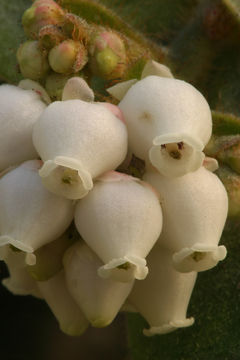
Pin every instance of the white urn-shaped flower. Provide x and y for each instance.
(70, 317)
(19, 281)
(100, 299)
(19, 110)
(30, 216)
(169, 122)
(120, 220)
(163, 297)
(195, 209)
(78, 141)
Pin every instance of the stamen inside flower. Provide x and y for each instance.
(69, 176)
(176, 157)
(198, 256)
(173, 149)
(124, 266)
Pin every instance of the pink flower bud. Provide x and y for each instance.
(108, 55)
(32, 61)
(68, 57)
(40, 14)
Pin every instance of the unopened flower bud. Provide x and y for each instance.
(40, 14)
(120, 220)
(100, 299)
(68, 57)
(195, 208)
(33, 63)
(76, 28)
(54, 85)
(69, 316)
(169, 122)
(108, 55)
(50, 36)
(163, 297)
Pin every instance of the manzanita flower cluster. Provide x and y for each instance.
(136, 243)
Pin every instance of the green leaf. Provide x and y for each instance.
(225, 124)
(11, 35)
(154, 19)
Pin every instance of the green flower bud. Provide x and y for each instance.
(108, 55)
(76, 28)
(40, 14)
(55, 84)
(33, 63)
(68, 57)
(50, 36)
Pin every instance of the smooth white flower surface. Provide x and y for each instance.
(70, 317)
(120, 220)
(78, 141)
(100, 299)
(30, 216)
(19, 110)
(163, 297)
(19, 281)
(195, 209)
(169, 122)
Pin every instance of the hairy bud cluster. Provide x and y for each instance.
(62, 44)
(133, 241)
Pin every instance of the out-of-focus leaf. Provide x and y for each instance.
(157, 19)
(11, 35)
(225, 124)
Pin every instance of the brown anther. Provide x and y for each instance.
(67, 180)
(175, 154)
(180, 145)
(197, 256)
(124, 266)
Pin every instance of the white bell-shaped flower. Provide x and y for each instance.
(49, 257)
(100, 299)
(194, 211)
(70, 317)
(19, 281)
(19, 110)
(120, 220)
(163, 297)
(169, 121)
(30, 216)
(78, 141)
